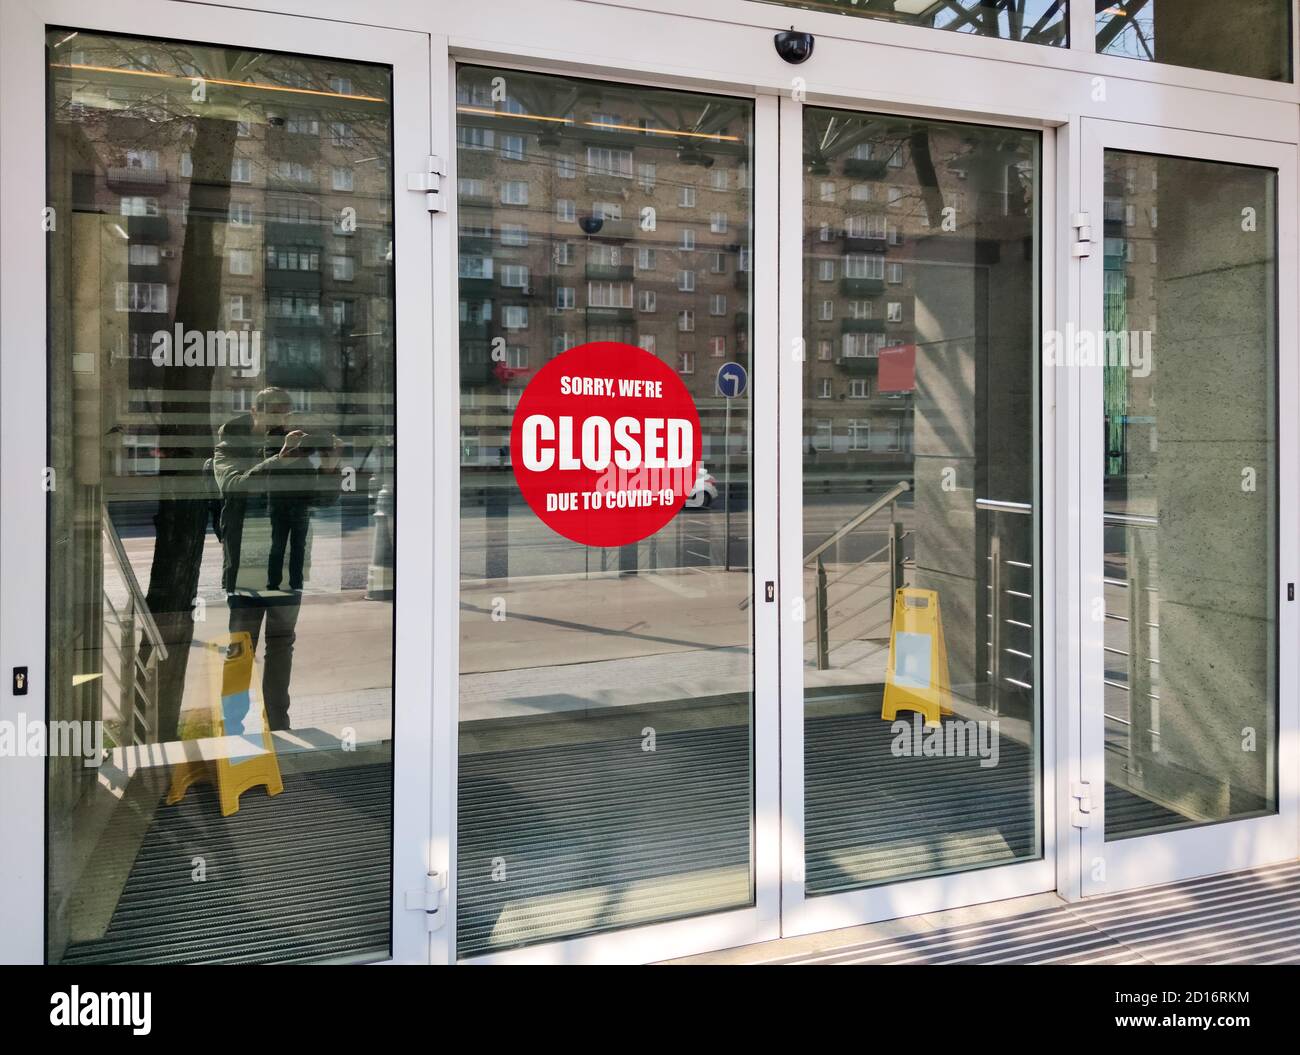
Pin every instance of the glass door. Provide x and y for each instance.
(1186, 367)
(616, 695)
(222, 305)
(913, 719)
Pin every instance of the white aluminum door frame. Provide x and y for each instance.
(802, 914)
(1220, 847)
(23, 424)
(680, 937)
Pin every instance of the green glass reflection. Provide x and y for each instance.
(1191, 492)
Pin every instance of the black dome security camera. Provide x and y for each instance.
(794, 47)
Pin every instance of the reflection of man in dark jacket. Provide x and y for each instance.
(270, 482)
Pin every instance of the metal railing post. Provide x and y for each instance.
(154, 681)
(896, 570)
(126, 671)
(995, 616)
(1140, 741)
(823, 630)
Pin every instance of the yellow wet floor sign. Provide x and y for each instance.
(917, 676)
(249, 759)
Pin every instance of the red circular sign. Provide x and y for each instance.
(605, 444)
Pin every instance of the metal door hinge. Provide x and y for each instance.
(430, 900)
(1081, 222)
(1081, 808)
(429, 183)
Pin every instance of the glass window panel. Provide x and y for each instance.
(1034, 21)
(220, 608)
(605, 694)
(920, 510)
(1251, 38)
(1191, 492)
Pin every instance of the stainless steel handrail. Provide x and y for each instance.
(139, 601)
(137, 679)
(886, 499)
(1136, 519)
(1000, 506)
(821, 594)
(821, 600)
(997, 611)
(1141, 666)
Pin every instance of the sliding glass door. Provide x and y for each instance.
(919, 562)
(1184, 366)
(607, 689)
(218, 677)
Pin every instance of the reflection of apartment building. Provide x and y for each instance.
(859, 212)
(869, 238)
(303, 241)
(585, 219)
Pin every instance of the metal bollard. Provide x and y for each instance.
(379, 576)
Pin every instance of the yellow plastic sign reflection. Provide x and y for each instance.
(916, 678)
(252, 760)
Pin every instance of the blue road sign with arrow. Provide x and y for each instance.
(732, 380)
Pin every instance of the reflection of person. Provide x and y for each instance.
(290, 517)
(270, 480)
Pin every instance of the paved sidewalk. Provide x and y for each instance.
(1247, 917)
